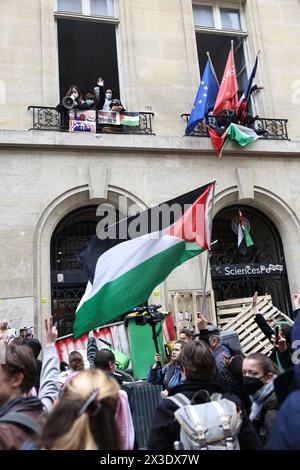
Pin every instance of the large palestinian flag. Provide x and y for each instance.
(138, 253)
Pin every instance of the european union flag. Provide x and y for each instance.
(205, 98)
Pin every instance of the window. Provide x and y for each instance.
(230, 19)
(73, 6)
(203, 16)
(82, 57)
(102, 7)
(215, 28)
(87, 49)
(87, 7)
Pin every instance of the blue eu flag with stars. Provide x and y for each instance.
(205, 98)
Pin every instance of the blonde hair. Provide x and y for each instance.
(65, 430)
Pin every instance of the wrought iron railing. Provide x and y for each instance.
(267, 128)
(47, 118)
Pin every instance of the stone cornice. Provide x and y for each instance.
(130, 142)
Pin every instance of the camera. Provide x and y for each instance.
(151, 317)
(148, 315)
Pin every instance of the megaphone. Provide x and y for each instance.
(68, 101)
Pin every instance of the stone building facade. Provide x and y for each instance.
(48, 174)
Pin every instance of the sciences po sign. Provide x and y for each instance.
(254, 269)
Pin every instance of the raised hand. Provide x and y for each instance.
(202, 323)
(254, 303)
(281, 344)
(51, 332)
(157, 357)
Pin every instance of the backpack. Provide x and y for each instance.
(24, 421)
(213, 425)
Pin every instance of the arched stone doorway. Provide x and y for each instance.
(262, 268)
(68, 279)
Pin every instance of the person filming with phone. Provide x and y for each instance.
(280, 337)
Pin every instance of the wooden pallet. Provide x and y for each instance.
(237, 315)
(229, 309)
(189, 301)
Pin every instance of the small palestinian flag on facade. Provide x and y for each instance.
(240, 134)
(128, 259)
(244, 238)
(129, 119)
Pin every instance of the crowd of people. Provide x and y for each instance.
(258, 385)
(213, 396)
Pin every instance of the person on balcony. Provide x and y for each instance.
(103, 100)
(100, 97)
(76, 96)
(75, 101)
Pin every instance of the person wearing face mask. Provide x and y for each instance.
(258, 377)
(107, 101)
(99, 94)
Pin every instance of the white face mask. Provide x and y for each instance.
(108, 96)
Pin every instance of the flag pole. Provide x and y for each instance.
(212, 67)
(208, 251)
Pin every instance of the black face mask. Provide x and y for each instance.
(252, 384)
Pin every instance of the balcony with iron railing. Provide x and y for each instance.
(266, 128)
(47, 118)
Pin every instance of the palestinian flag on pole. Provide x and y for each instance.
(244, 238)
(130, 258)
(240, 134)
(129, 119)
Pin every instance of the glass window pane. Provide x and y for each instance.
(102, 7)
(203, 16)
(69, 5)
(230, 19)
(241, 71)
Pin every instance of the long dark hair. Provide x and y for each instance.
(80, 96)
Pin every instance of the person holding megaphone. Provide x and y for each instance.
(72, 99)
